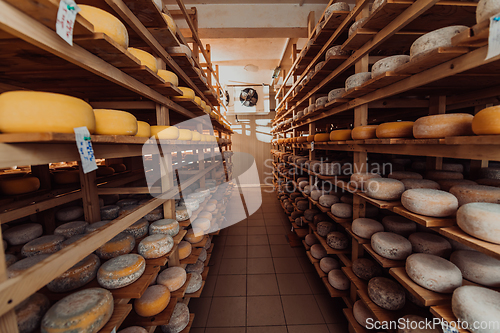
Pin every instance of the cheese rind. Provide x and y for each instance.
(477, 267)
(173, 278)
(399, 129)
(165, 132)
(338, 280)
(169, 76)
(165, 226)
(155, 246)
(143, 129)
(139, 229)
(365, 228)
(184, 249)
(476, 193)
(433, 272)
(71, 229)
(29, 312)
(194, 284)
(179, 319)
(77, 276)
(391, 246)
(474, 305)
(106, 23)
(19, 185)
(386, 293)
(22, 234)
(121, 244)
(366, 269)
(364, 132)
(487, 121)
(480, 220)
(384, 188)
(146, 59)
(340, 135)
(429, 202)
(443, 125)
(154, 300)
(42, 245)
(115, 122)
(121, 271)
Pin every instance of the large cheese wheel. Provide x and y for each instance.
(425, 242)
(165, 132)
(443, 125)
(33, 112)
(143, 129)
(338, 280)
(155, 246)
(310, 138)
(400, 175)
(173, 278)
(154, 215)
(310, 239)
(69, 213)
(447, 184)
(20, 266)
(139, 229)
(476, 306)
(195, 283)
(42, 245)
(420, 183)
(362, 314)
(79, 275)
(186, 93)
(196, 136)
(323, 228)
(71, 229)
(154, 300)
(433, 272)
(357, 79)
(386, 293)
(364, 132)
(165, 226)
(487, 121)
(358, 180)
(365, 228)
(388, 64)
(146, 59)
(435, 39)
(476, 193)
(480, 220)
(19, 185)
(443, 174)
(340, 135)
(328, 200)
(184, 249)
(488, 182)
(115, 122)
(122, 243)
(366, 269)
(22, 234)
(429, 202)
(169, 76)
(384, 188)
(399, 129)
(29, 312)
(399, 225)
(121, 271)
(391, 246)
(322, 137)
(328, 263)
(106, 23)
(478, 267)
(194, 236)
(110, 212)
(85, 311)
(179, 319)
(66, 177)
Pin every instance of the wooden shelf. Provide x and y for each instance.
(384, 262)
(120, 313)
(458, 235)
(345, 260)
(426, 221)
(381, 204)
(338, 219)
(445, 312)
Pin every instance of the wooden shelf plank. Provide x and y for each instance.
(431, 59)
(162, 318)
(476, 36)
(204, 275)
(474, 140)
(381, 204)
(400, 41)
(120, 312)
(445, 312)
(457, 234)
(335, 19)
(345, 260)
(426, 221)
(384, 80)
(332, 291)
(384, 262)
(360, 284)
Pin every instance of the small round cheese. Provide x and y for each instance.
(328, 263)
(194, 284)
(143, 129)
(184, 249)
(433, 272)
(310, 239)
(19, 185)
(366, 269)
(165, 132)
(154, 215)
(201, 223)
(480, 220)
(429, 202)
(365, 228)
(42, 245)
(386, 293)
(121, 244)
(391, 246)
(133, 329)
(340, 135)
(194, 236)
(71, 229)
(323, 228)
(358, 180)
(318, 251)
(338, 280)
(165, 226)
(154, 300)
(358, 79)
(127, 202)
(342, 210)
(328, 200)
(121, 271)
(425, 242)
(169, 76)
(139, 229)
(22, 234)
(173, 278)
(155, 246)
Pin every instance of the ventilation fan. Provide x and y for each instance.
(249, 97)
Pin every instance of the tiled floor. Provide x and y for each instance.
(257, 283)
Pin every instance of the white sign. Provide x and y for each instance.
(312, 146)
(494, 37)
(66, 16)
(84, 145)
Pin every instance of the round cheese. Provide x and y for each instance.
(154, 215)
(103, 170)
(179, 319)
(168, 227)
(20, 266)
(365, 228)
(66, 177)
(155, 246)
(388, 64)
(478, 267)
(358, 180)
(19, 185)
(194, 236)
(115, 122)
(154, 300)
(435, 39)
(443, 125)
(487, 121)
(194, 284)
(145, 58)
(364, 132)
(429, 202)
(133, 329)
(399, 129)
(84, 311)
(29, 312)
(173, 278)
(391, 246)
(400, 175)
(197, 267)
(71, 229)
(358, 79)
(185, 134)
(310, 239)
(165, 132)
(338, 280)
(42, 245)
(22, 234)
(337, 240)
(196, 136)
(121, 271)
(433, 272)
(310, 138)
(168, 76)
(318, 251)
(95, 226)
(474, 306)
(143, 129)
(476, 193)
(335, 50)
(342, 210)
(77, 276)
(384, 188)
(425, 242)
(443, 174)
(362, 314)
(328, 263)
(480, 220)
(186, 93)
(386, 293)
(447, 184)
(340, 135)
(420, 183)
(106, 23)
(139, 229)
(118, 167)
(366, 269)
(184, 249)
(322, 137)
(122, 243)
(69, 213)
(323, 228)
(110, 212)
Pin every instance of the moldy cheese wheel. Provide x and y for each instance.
(71, 229)
(400, 175)
(95, 226)
(24, 264)
(364, 132)
(34, 112)
(110, 212)
(154, 300)
(79, 275)
(168, 76)
(386, 293)
(121, 271)
(185, 249)
(399, 225)
(69, 213)
(84, 311)
(122, 243)
(173, 278)
(447, 184)
(115, 122)
(391, 246)
(146, 59)
(443, 125)
(340, 135)
(476, 193)
(42, 245)
(19, 185)
(138, 229)
(29, 312)
(425, 242)
(399, 129)
(165, 226)
(106, 23)
(430, 202)
(22, 234)
(165, 132)
(143, 129)
(487, 121)
(179, 320)
(155, 246)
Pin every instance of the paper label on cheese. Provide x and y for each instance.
(84, 145)
(494, 37)
(66, 16)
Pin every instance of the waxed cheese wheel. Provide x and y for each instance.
(328, 263)
(433, 272)
(173, 278)
(428, 202)
(487, 121)
(365, 228)
(310, 239)
(480, 220)
(165, 132)
(194, 284)
(145, 58)
(435, 39)
(139, 229)
(106, 23)
(71, 229)
(18, 185)
(20, 266)
(154, 215)
(154, 300)
(179, 319)
(337, 240)
(323, 228)
(476, 193)
(155, 246)
(474, 306)
(443, 125)
(477, 267)
(364, 132)
(384, 189)
(338, 280)
(391, 246)
(447, 184)
(77, 276)
(400, 175)
(362, 314)
(42, 245)
(95, 226)
(318, 251)
(29, 312)
(322, 137)
(366, 269)
(342, 210)
(388, 64)
(143, 129)
(85, 311)
(184, 249)
(425, 242)
(197, 267)
(121, 271)
(399, 225)
(386, 293)
(121, 244)
(110, 212)
(358, 180)
(340, 135)
(69, 214)
(165, 226)
(168, 76)
(399, 129)
(115, 122)
(22, 234)
(443, 174)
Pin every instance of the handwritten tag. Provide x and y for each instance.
(312, 146)
(494, 38)
(66, 16)
(85, 149)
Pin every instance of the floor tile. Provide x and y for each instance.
(236, 240)
(262, 285)
(237, 231)
(198, 330)
(257, 230)
(287, 265)
(227, 312)
(225, 330)
(338, 328)
(264, 311)
(257, 240)
(282, 251)
(201, 307)
(260, 266)
(301, 310)
(276, 230)
(233, 252)
(208, 289)
(259, 251)
(331, 308)
(277, 239)
(256, 223)
(233, 266)
(231, 285)
(293, 284)
(308, 329)
(267, 329)
(316, 284)
(273, 221)
(306, 265)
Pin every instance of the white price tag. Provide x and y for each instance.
(84, 146)
(494, 37)
(312, 146)
(114, 330)
(66, 16)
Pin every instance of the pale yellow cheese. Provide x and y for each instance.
(143, 129)
(203, 105)
(169, 76)
(171, 23)
(197, 100)
(196, 136)
(185, 134)
(115, 122)
(165, 132)
(106, 23)
(186, 93)
(146, 58)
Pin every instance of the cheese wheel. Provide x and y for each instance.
(19, 185)
(194, 284)
(340, 135)
(433, 272)
(301, 139)
(430, 202)
(168, 76)
(143, 129)
(110, 212)
(420, 183)
(185, 249)
(154, 215)
(400, 175)
(478, 267)
(165, 132)
(185, 134)
(42, 245)
(318, 251)
(34, 112)
(155, 246)
(443, 174)
(310, 239)
(475, 306)
(133, 329)
(342, 210)
(447, 184)
(139, 229)
(197, 267)
(489, 182)
(194, 236)
(206, 215)
(388, 64)
(365, 228)
(487, 121)
(366, 269)
(22, 234)
(179, 319)
(66, 177)
(357, 79)
(328, 263)
(118, 167)
(186, 93)
(322, 137)
(196, 136)
(197, 100)
(338, 280)
(425, 242)
(358, 180)
(364, 132)
(399, 225)
(399, 129)
(115, 122)
(106, 23)
(480, 220)
(71, 229)
(95, 226)
(386, 293)
(201, 223)
(476, 193)
(121, 271)
(29, 312)
(154, 300)
(310, 138)
(173, 278)
(103, 170)
(391, 246)
(146, 59)
(165, 226)
(122, 243)
(20, 266)
(435, 39)
(362, 314)
(443, 125)
(384, 188)
(337, 240)
(84, 311)
(77, 276)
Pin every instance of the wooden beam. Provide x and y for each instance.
(281, 32)
(311, 23)
(130, 105)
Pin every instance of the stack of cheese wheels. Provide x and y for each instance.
(165, 132)
(173, 278)
(29, 313)
(399, 129)
(487, 121)
(18, 184)
(155, 246)
(154, 300)
(106, 23)
(143, 129)
(114, 122)
(187, 93)
(434, 40)
(364, 132)
(443, 125)
(146, 59)
(34, 112)
(79, 275)
(121, 271)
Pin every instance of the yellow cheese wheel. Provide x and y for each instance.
(29, 312)
(185, 134)
(147, 59)
(320, 137)
(204, 138)
(443, 125)
(310, 138)
(86, 311)
(33, 112)
(106, 23)
(340, 135)
(203, 104)
(208, 109)
(169, 76)
(364, 132)
(42, 245)
(187, 93)
(196, 136)
(487, 121)
(19, 185)
(399, 129)
(122, 243)
(171, 23)
(173, 278)
(197, 100)
(114, 122)
(66, 177)
(143, 129)
(184, 248)
(154, 300)
(301, 139)
(165, 132)
(121, 271)
(77, 276)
